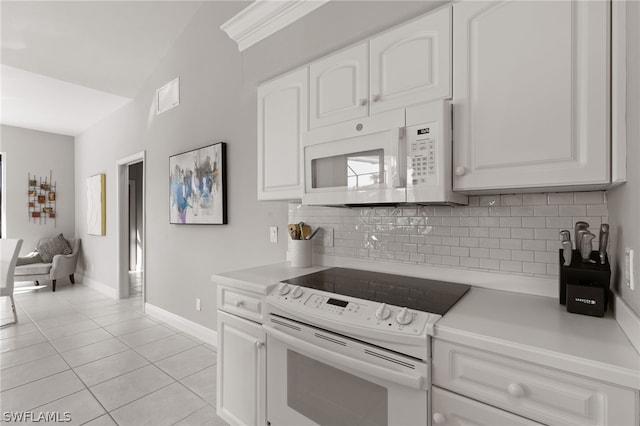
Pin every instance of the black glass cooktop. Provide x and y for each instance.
(415, 293)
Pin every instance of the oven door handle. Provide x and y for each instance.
(330, 357)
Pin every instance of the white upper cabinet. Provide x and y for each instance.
(531, 94)
(339, 87)
(407, 65)
(412, 63)
(282, 117)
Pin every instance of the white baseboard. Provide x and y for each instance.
(628, 320)
(196, 330)
(98, 286)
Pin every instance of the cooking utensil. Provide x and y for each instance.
(580, 225)
(294, 231)
(579, 236)
(585, 247)
(313, 234)
(603, 240)
(305, 231)
(567, 252)
(565, 235)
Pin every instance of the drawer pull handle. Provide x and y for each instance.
(515, 389)
(439, 419)
(259, 344)
(239, 303)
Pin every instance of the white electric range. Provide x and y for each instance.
(347, 347)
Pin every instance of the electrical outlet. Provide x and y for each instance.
(197, 304)
(327, 237)
(629, 271)
(273, 234)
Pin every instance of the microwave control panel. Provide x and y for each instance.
(422, 150)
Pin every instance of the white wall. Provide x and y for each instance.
(217, 103)
(37, 153)
(624, 201)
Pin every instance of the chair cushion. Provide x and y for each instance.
(52, 246)
(33, 269)
(33, 257)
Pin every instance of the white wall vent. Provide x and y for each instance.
(168, 96)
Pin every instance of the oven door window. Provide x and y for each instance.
(329, 396)
(358, 170)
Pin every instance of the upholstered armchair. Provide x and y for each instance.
(62, 265)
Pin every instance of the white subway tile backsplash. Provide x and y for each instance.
(499, 232)
(545, 211)
(522, 211)
(510, 233)
(560, 198)
(595, 197)
(533, 222)
(479, 232)
(573, 210)
(597, 210)
(479, 211)
(499, 211)
(534, 199)
(500, 254)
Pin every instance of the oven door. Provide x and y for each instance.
(315, 377)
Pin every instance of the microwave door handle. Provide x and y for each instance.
(332, 358)
(399, 154)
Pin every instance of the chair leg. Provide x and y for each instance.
(13, 307)
(72, 279)
(37, 282)
(53, 285)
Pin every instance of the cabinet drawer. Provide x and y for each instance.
(543, 394)
(241, 303)
(450, 409)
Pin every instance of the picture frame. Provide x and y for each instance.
(96, 205)
(198, 186)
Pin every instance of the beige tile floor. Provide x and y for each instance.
(76, 351)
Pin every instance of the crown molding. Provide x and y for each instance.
(264, 17)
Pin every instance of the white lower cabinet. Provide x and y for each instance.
(241, 371)
(450, 409)
(537, 392)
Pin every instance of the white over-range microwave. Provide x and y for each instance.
(401, 156)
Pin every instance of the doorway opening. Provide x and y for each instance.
(131, 227)
(136, 233)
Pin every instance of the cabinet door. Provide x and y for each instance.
(450, 409)
(531, 94)
(339, 87)
(241, 378)
(282, 117)
(412, 63)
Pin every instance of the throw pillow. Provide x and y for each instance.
(52, 246)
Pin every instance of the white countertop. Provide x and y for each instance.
(261, 278)
(540, 330)
(532, 328)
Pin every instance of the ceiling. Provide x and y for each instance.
(67, 65)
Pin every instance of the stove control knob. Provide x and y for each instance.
(297, 292)
(404, 317)
(284, 289)
(383, 312)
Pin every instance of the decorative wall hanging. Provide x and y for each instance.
(41, 199)
(96, 205)
(197, 186)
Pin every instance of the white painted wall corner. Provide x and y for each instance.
(97, 285)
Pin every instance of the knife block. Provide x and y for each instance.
(585, 282)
